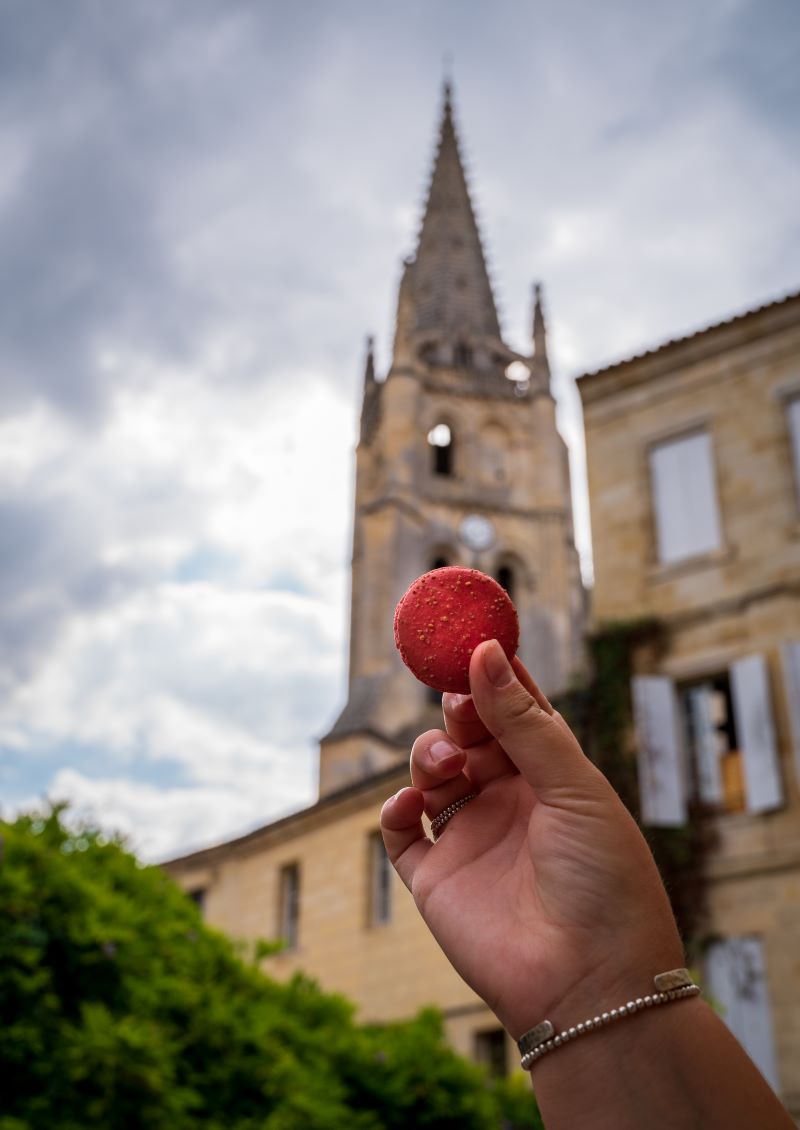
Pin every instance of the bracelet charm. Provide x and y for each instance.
(674, 985)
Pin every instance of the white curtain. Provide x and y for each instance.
(706, 744)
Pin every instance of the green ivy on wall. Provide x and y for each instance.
(599, 711)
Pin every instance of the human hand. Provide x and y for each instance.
(541, 891)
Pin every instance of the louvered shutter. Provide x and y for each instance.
(685, 498)
(793, 410)
(660, 753)
(737, 983)
(756, 733)
(790, 654)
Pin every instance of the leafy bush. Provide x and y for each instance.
(121, 1009)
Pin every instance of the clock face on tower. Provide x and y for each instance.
(477, 533)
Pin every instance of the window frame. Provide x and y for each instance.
(198, 896)
(486, 1043)
(729, 802)
(289, 878)
(441, 456)
(380, 872)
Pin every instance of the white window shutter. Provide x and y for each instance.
(706, 745)
(661, 761)
(737, 984)
(685, 498)
(793, 411)
(790, 654)
(756, 733)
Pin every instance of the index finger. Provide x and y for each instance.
(462, 721)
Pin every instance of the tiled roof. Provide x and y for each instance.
(330, 801)
(786, 300)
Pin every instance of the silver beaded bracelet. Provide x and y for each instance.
(674, 985)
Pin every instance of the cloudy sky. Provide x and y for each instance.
(203, 209)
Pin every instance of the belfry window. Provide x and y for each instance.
(462, 355)
(505, 577)
(440, 439)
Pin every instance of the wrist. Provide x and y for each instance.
(612, 981)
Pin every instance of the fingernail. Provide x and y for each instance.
(497, 668)
(455, 703)
(442, 749)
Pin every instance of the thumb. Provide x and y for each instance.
(541, 746)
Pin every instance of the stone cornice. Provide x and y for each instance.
(728, 606)
(705, 344)
(466, 505)
(374, 789)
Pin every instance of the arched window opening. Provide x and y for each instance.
(462, 355)
(439, 563)
(505, 577)
(440, 439)
(428, 354)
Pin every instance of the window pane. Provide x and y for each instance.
(198, 897)
(505, 577)
(380, 882)
(290, 905)
(440, 438)
(705, 743)
(490, 1051)
(716, 765)
(684, 498)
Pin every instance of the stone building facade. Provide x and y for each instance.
(459, 461)
(693, 454)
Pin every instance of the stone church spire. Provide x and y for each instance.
(452, 300)
(451, 442)
(540, 368)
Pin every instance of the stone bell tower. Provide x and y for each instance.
(458, 462)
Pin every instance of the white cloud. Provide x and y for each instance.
(222, 663)
(204, 211)
(157, 822)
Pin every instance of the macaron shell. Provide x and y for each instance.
(443, 617)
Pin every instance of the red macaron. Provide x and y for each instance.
(443, 617)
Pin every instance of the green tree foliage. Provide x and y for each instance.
(121, 1009)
